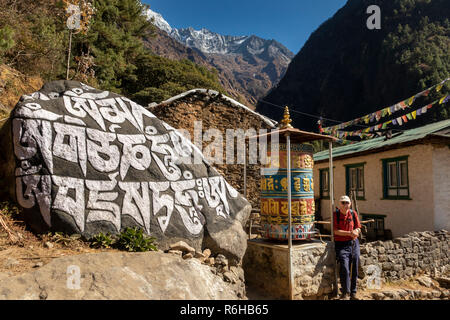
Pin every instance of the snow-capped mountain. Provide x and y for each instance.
(159, 21)
(211, 42)
(248, 65)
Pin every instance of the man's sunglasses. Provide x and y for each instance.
(345, 202)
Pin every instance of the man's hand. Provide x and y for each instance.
(355, 234)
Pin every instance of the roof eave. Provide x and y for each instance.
(430, 138)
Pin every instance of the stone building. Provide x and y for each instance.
(403, 182)
(216, 111)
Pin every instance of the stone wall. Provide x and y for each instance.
(266, 263)
(407, 256)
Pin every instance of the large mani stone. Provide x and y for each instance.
(81, 160)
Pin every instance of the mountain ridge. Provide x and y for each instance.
(248, 66)
(345, 70)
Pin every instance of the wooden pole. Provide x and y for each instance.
(291, 277)
(68, 55)
(245, 170)
(332, 215)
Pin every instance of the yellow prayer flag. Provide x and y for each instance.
(410, 101)
(442, 100)
(366, 119)
(414, 114)
(439, 87)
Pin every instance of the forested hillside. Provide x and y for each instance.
(346, 70)
(34, 40)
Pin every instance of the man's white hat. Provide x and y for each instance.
(345, 198)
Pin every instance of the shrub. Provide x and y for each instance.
(102, 240)
(134, 240)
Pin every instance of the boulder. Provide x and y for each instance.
(130, 276)
(82, 160)
(425, 281)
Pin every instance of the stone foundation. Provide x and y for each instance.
(266, 269)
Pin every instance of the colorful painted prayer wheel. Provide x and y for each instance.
(274, 193)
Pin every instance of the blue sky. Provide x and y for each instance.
(287, 21)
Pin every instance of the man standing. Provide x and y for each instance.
(347, 228)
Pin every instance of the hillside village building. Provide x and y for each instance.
(403, 182)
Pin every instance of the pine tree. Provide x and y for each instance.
(114, 40)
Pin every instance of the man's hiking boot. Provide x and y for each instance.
(344, 296)
(353, 296)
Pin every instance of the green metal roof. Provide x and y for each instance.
(406, 136)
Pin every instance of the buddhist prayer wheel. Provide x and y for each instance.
(275, 189)
(287, 208)
(274, 193)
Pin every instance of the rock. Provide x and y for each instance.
(90, 161)
(10, 262)
(177, 252)
(411, 293)
(419, 294)
(49, 245)
(403, 242)
(234, 247)
(436, 293)
(188, 256)
(443, 281)
(221, 260)
(43, 295)
(199, 255)
(445, 294)
(127, 276)
(182, 246)
(377, 296)
(229, 277)
(425, 281)
(206, 253)
(38, 264)
(388, 265)
(392, 295)
(238, 271)
(210, 261)
(402, 293)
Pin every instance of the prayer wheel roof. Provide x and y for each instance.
(297, 136)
